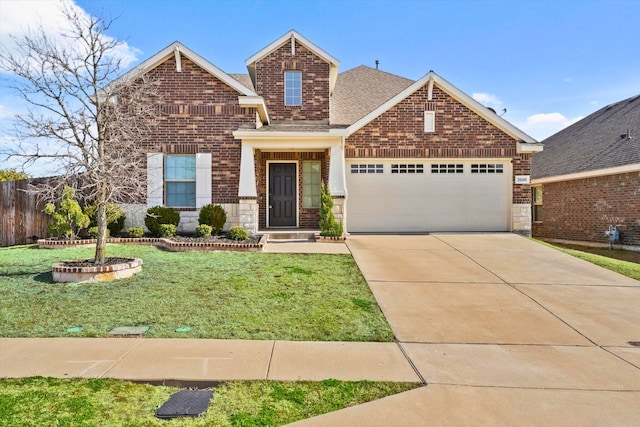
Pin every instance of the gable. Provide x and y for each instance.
(459, 131)
(293, 40)
(314, 80)
(178, 51)
(433, 80)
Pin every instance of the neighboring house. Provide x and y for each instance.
(398, 155)
(588, 178)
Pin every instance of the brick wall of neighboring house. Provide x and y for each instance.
(315, 83)
(583, 209)
(199, 112)
(459, 133)
(309, 218)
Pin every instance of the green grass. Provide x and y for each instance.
(106, 402)
(217, 294)
(626, 268)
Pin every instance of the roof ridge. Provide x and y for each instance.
(377, 70)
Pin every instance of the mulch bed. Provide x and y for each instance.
(213, 239)
(630, 256)
(90, 263)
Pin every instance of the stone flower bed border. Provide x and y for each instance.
(165, 243)
(65, 273)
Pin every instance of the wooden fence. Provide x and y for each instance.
(21, 213)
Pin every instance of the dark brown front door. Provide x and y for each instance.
(282, 194)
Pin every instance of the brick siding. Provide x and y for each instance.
(583, 209)
(315, 83)
(459, 133)
(199, 112)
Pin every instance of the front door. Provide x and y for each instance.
(282, 195)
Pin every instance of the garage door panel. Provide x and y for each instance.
(424, 201)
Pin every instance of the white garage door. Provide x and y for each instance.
(435, 195)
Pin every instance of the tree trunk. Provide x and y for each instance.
(101, 243)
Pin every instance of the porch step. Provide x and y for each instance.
(291, 235)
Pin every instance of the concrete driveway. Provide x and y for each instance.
(505, 331)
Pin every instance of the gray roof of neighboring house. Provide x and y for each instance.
(361, 90)
(599, 141)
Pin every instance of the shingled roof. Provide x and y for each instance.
(608, 138)
(361, 90)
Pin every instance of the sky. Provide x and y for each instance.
(548, 63)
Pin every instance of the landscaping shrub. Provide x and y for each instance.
(115, 217)
(167, 230)
(135, 232)
(328, 224)
(115, 227)
(93, 232)
(158, 215)
(238, 233)
(214, 216)
(68, 217)
(203, 230)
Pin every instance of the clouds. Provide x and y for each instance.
(487, 99)
(543, 125)
(18, 18)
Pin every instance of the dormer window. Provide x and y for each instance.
(293, 88)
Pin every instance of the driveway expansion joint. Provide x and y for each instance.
(413, 366)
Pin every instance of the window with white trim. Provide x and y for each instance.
(407, 168)
(180, 181)
(311, 178)
(429, 121)
(367, 168)
(293, 88)
(447, 168)
(487, 168)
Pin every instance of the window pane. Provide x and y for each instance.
(181, 167)
(181, 194)
(537, 213)
(311, 184)
(292, 88)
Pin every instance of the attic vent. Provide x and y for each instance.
(626, 135)
(430, 106)
(429, 121)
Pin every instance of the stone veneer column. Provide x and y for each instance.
(338, 211)
(248, 215)
(521, 219)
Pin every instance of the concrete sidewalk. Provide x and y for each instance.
(202, 360)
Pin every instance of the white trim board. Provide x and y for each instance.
(634, 167)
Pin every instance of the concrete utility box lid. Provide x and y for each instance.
(185, 403)
(129, 330)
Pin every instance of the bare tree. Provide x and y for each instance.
(82, 113)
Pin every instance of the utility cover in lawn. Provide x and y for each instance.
(186, 403)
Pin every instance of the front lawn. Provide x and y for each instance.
(620, 261)
(216, 294)
(106, 402)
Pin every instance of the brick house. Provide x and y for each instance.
(397, 155)
(588, 178)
